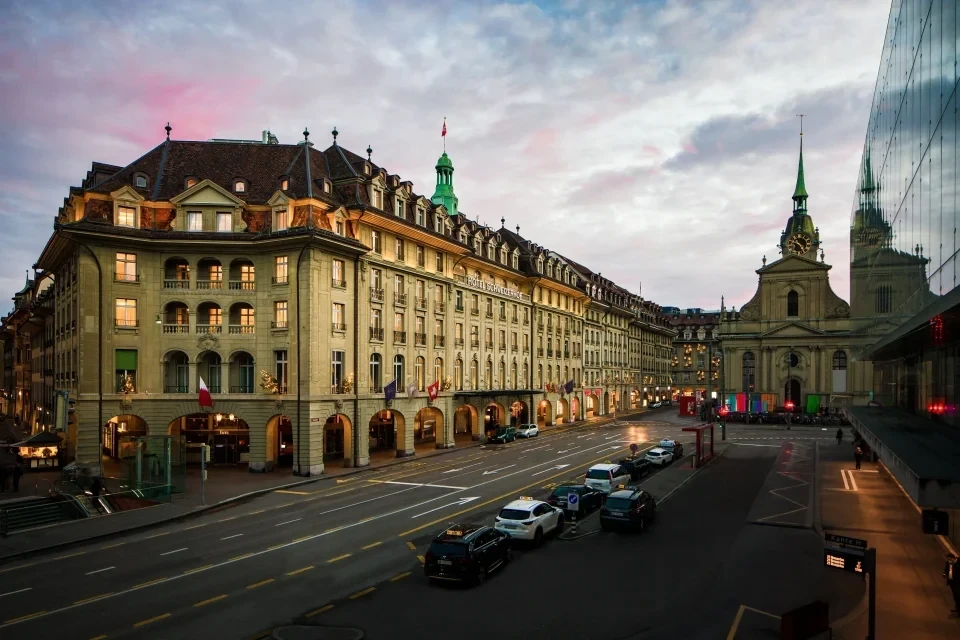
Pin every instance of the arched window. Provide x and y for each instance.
(793, 304)
(398, 370)
(421, 365)
(513, 376)
(502, 375)
(488, 375)
(475, 375)
(437, 370)
(749, 372)
(376, 373)
(840, 371)
(540, 376)
(458, 374)
(526, 373)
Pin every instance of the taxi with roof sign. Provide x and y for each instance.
(529, 519)
(466, 553)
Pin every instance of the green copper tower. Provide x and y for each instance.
(444, 192)
(800, 193)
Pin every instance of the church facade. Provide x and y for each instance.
(795, 340)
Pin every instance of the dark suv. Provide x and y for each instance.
(628, 509)
(466, 553)
(590, 498)
(503, 435)
(637, 465)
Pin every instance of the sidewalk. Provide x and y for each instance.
(225, 487)
(912, 598)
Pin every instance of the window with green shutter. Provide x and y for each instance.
(126, 370)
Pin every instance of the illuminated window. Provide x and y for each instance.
(224, 222)
(280, 220)
(126, 312)
(194, 221)
(126, 217)
(239, 186)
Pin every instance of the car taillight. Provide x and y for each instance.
(527, 523)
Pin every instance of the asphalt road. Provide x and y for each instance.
(242, 570)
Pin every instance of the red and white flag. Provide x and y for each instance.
(443, 134)
(434, 390)
(205, 400)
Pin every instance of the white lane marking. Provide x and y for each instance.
(555, 467)
(843, 474)
(584, 436)
(287, 522)
(848, 474)
(459, 502)
(90, 573)
(18, 591)
(568, 450)
(174, 551)
(543, 446)
(421, 484)
(477, 464)
(750, 444)
(486, 473)
(236, 535)
(868, 471)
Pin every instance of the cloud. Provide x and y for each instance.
(653, 141)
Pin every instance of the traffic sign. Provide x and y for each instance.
(633, 448)
(845, 541)
(573, 502)
(847, 559)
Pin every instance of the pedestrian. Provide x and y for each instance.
(839, 436)
(858, 456)
(17, 472)
(95, 490)
(952, 573)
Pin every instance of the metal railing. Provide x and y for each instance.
(376, 294)
(243, 388)
(400, 336)
(400, 299)
(175, 388)
(376, 333)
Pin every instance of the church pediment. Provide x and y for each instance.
(793, 330)
(792, 264)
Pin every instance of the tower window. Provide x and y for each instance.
(793, 304)
(884, 299)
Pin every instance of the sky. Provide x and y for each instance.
(655, 142)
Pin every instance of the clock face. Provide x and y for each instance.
(798, 243)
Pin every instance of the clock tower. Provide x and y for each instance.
(800, 237)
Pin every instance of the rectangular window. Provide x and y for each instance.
(397, 284)
(459, 300)
(194, 221)
(338, 275)
(438, 224)
(420, 217)
(247, 319)
(459, 332)
(378, 198)
(420, 258)
(439, 262)
(280, 314)
(280, 270)
(338, 227)
(126, 268)
(376, 280)
(280, 220)
(421, 290)
(338, 316)
(126, 314)
(421, 324)
(280, 370)
(375, 241)
(376, 319)
(399, 251)
(224, 222)
(336, 371)
(126, 370)
(398, 322)
(399, 208)
(126, 217)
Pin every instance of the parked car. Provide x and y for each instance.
(590, 498)
(503, 435)
(628, 509)
(529, 519)
(655, 405)
(659, 457)
(466, 553)
(673, 446)
(528, 431)
(606, 477)
(637, 466)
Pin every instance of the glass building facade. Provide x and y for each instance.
(903, 233)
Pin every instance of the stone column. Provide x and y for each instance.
(313, 417)
(88, 451)
(444, 405)
(405, 446)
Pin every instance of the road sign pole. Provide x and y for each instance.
(203, 473)
(870, 558)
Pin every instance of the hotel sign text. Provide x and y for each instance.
(493, 287)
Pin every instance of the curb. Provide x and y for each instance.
(228, 502)
(815, 516)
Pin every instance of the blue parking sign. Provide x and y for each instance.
(573, 502)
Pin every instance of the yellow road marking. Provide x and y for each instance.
(371, 546)
(453, 516)
(70, 555)
(253, 513)
(112, 546)
(277, 546)
(296, 493)
(206, 566)
(214, 599)
(399, 577)
(301, 539)
(315, 612)
(411, 546)
(736, 620)
(293, 573)
(86, 600)
(260, 584)
(144, 584)
(26, 617)
(338, 558)
(99, 638)
(422, 561)
(146, 622)
(360, 594)
(157, 535)
(368, 519)
(20, 566)
(196, 526)
(246, 555)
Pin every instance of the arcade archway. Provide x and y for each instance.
(227, 435)
(336, 436)
(465, 424)
(280, 441)
(563, 414)
(634, 398)
(427, 427)
(791, 392)
(544, 414)
(494, 416)
(386, 433)
(591, 403)
(519, 413)
(575, 409)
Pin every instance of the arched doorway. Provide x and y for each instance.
(493, 416)
(519, 413)
(386, 433)
(562, 408)
(791, 392)
(544, 413)
(427, 426)
(591, 406)
(116, 429)
(335, 432)
(227, 435)
(575, 409)
(281, 447)
(465, 424)
(634, 398)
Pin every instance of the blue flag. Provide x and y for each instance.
(390, 391)
(568, 387)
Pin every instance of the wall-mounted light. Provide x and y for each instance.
(159, 321)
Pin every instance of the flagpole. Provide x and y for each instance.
(444, 134)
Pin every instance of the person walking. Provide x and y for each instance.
(839, 436)
(858, 456)
(952, 574)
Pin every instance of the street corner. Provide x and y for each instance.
(310, 632)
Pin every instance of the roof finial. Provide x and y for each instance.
(800, 193)
(503, 223)
(821, 255)
(369, 153)
(764, 260)
(335, 133)
(168, 129)
(306, 135)
(518, 229)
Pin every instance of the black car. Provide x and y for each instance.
(590, 498)
(466, 553)
(503, 435)
(628, 509)
(637, 465)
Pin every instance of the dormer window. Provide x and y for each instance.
(438, 224)
(366, 168)
(490, 251)
(126, 216)
(140, 181)
(687, 334)
(190, 182)
(285, 184)
(280, 222)
(421, 217)
(239, 186)
(377, 198)
(338, 227)
(463, 238)
(326, 186)
(516, 262)
(398, 207)
(540, 266)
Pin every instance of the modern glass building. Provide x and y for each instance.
(904, 245)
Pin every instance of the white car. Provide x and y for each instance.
(606, 477)
(529, 519)
(659, 456)
(528, 431)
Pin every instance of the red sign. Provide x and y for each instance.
(688, 406)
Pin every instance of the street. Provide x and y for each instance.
(346, 552)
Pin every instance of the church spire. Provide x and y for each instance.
(800, 193)
(444, 194)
